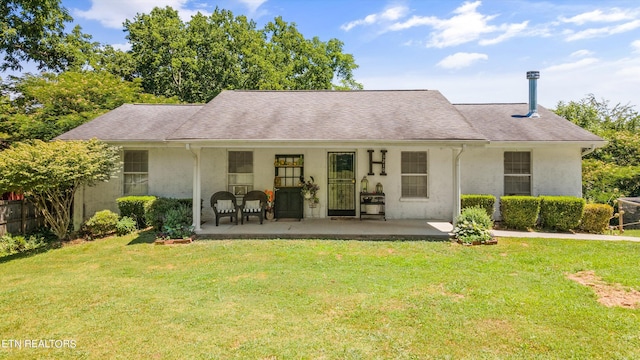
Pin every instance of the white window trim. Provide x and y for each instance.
(416, 199)
(530, 175)
(125, 173)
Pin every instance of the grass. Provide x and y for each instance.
(631, 232)
(126, 298)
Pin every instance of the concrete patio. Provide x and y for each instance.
(329, 228)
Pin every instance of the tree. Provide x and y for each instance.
(48, 105)
(30, 30)
(49, 173)
(614, 170)
(198, 59)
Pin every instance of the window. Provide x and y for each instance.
(136, 172)
(414, 174)
(240, 172)
(517, 173)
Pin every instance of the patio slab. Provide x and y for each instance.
(328, 228)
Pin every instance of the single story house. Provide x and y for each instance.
(423, 150)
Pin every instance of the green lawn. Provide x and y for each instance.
(126, 298)
(630, 232)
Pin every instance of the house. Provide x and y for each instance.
(423, 150)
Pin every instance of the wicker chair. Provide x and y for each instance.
(253, 204)
(224, 204)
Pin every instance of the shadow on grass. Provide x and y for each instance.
(144, 237)
(30, 253)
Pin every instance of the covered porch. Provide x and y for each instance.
(327, 228)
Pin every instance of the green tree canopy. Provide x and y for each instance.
(48, 105)
(195, 60)
(613, 170)
(50, 172)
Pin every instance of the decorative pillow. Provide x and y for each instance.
(224, 205)
(252, 205)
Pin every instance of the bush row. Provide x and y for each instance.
(149, 210)
(172, 217)
(561, 213)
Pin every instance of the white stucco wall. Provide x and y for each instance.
(556, 170)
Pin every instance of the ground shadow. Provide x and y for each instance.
(144, 237)
(29, 253)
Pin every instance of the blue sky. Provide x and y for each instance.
(471, 51)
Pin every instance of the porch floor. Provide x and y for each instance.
(328, 228)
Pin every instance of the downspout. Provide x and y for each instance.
(588, 150)
(456, 184)
(196, 187)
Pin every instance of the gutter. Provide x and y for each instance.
(589, 150)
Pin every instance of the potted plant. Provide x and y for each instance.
(473, 227)
(310, 190)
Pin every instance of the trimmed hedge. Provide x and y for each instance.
(596, 217)
(519, 212)
(561, 213)
(486, 202)
(135, 207)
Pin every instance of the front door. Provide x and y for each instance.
(341, 184)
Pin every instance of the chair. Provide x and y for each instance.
(224, 204)
(253, 204)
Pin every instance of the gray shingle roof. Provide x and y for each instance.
(393, 115)
(506, 122)
(145, 122)
(328, 115)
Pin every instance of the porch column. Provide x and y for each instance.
(457, 154)
(197, 184)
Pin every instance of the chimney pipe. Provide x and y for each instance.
(533, 77)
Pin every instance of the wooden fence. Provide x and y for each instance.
(18, 217)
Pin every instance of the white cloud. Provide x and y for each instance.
(122, 47)
(461, 60)
(510, 31)
(572, 66)
(603, 31)
(581, 53)
(252, 5)
(112, 13)
(392, 13)
(636, 46)
(614, 15)
(465, 26)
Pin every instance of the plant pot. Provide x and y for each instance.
(488, 242)
(173, 241)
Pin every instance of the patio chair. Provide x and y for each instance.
(253, 204)
(224, 204)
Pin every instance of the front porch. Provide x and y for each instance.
(327, 228)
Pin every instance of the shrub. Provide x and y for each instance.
(135, 207)
(486, 202)
(177, 223)
(519, 212)
(102, 223)
(125, 225)
(473, 224)
(595, 218)
(157, 211)
(10, 244)
(561, 212)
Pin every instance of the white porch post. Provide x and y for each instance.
(457, 154)
(197, 184)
